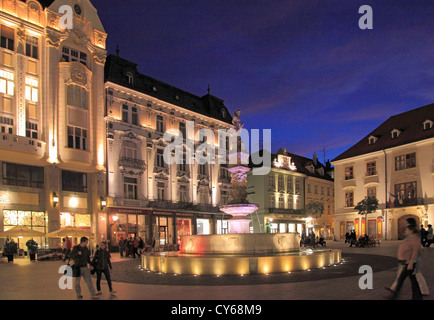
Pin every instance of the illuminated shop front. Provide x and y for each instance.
(34, 220)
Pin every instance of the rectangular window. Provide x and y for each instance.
(183, 194)
(161, 191)
(77, 96)
(134, 116)
(130, 188)
(410, 160)
(160, 124)
(32, 89)
(406, 191)
(32, 47)
(349, 199)
(23, 176)
(74, 181)
(7, 38)
(349, 173)
(182, 129)
(69, 55)
(124, 113)
(271, 181)
(32, 130)
(7, 84)
(202, 169)
(272, 201)
(160, 158)
(77, 138)
(6, 125)
(371, 168)
(280, 182)
(372, 193)
(407, 161)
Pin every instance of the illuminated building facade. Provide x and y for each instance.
(148, 197)
(395, 164)
(52, 134)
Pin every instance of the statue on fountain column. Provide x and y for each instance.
(236, 121)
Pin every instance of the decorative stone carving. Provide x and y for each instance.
(53, 38)
(78, 76)
(34, 13)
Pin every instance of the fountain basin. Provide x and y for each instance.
(189, 264)
(242, 243)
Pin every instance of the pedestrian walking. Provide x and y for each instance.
(101, 263)
(141, 245)
(408, 253)
(134, 247)
(81, 256)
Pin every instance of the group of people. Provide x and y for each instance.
(363, 241)
(131, 246)
(83, 267)
(426, 236)
(312, 240)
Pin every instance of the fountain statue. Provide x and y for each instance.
(239, 251)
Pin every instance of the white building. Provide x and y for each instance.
(146, 196)
(395, 164)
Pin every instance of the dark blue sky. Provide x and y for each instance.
(302, 68)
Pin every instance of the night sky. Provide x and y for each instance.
(302, 68)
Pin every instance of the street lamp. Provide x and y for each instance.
(55, 199)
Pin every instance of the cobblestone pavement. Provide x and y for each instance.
(40, 281)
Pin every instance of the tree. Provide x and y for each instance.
(367, 206)
(315, 208)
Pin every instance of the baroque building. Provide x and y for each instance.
(395, 164)
(52, 108)
(147, 196)
(282, 195)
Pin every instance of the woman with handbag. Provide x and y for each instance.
(101, 263)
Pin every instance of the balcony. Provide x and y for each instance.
(189, 206)
(132, 163)
(407, 203)
(296, 212)
(22, 144)
(135, 203)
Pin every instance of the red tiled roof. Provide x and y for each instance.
(410, 124)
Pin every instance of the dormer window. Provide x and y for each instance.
(130, 78)
(428, 124)
(372, 140)
(395, 133)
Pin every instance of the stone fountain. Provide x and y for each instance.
(239, 252)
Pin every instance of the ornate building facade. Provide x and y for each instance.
(52, 108)
(395, 164)
(147, 196)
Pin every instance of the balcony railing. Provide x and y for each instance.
(287, 211)
(22, 144)
(132, 163)
(169, 205)
(407, 202)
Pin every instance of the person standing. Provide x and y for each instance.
(81, 256)
(422, 235)
(68, 247)
(429, 236)
(408, 253)
(101, 263)
(121, 246)
(32, 248)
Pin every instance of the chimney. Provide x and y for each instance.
(315, 159)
